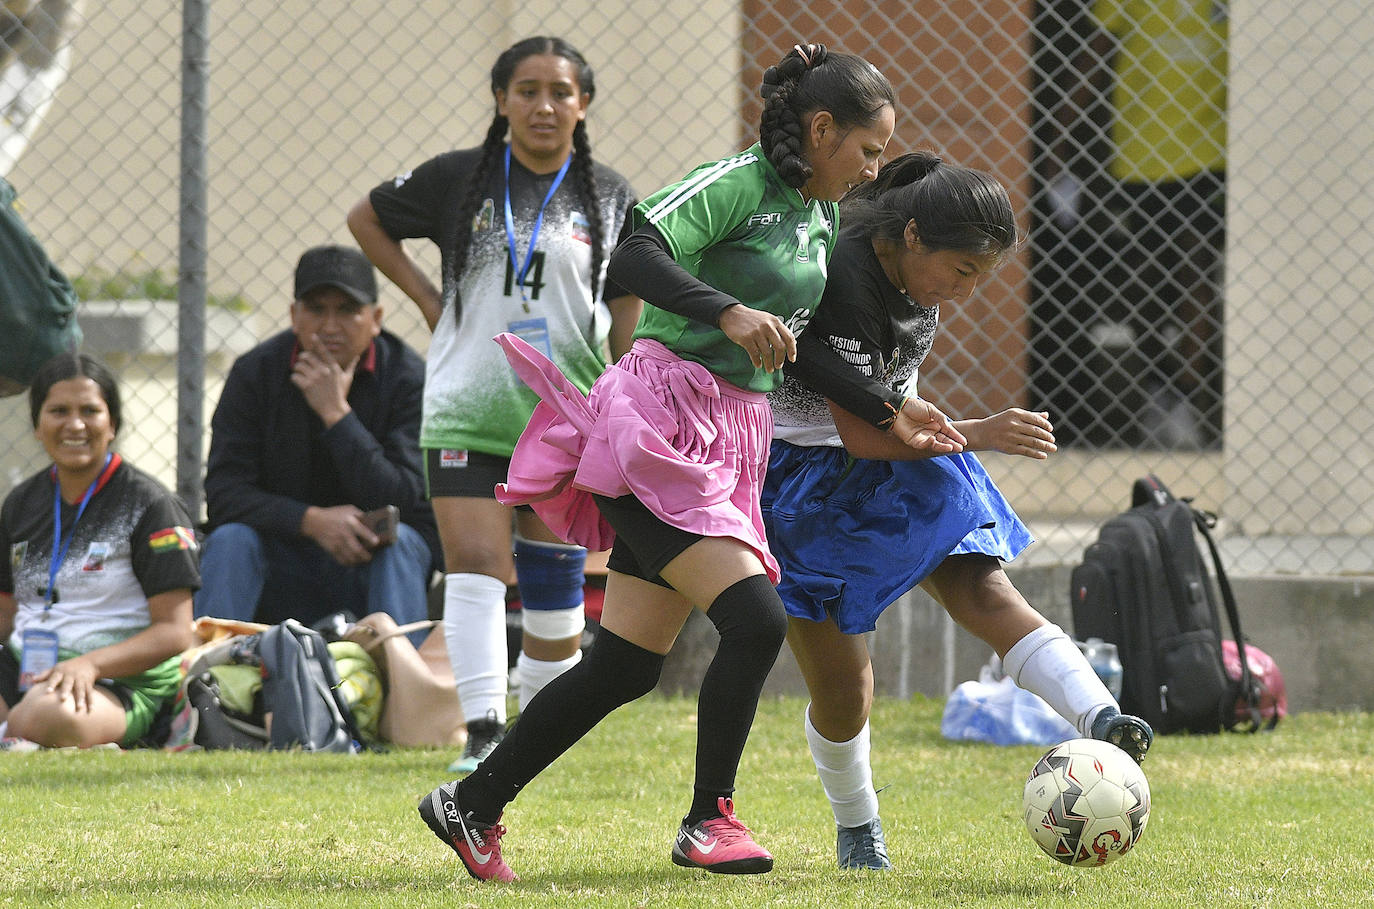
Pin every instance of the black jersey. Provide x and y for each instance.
(873, 327)
(472, 399)
(133, 541)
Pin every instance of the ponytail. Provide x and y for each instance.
(953, 207)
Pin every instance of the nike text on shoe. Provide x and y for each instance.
(1129, 733)
(721, 845)
(483, 737)
(477, 844)
(862, 847)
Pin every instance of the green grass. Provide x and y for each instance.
(1272, 820)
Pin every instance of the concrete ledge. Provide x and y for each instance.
(1319, 630)
(149, 327)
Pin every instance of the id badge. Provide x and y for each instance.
(38, 656)
(535, 333)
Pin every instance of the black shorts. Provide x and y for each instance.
(464, 474)
(9, 677)
(643, 542)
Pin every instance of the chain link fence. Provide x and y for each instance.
(1137, 313)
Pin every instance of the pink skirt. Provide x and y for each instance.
(690, 446)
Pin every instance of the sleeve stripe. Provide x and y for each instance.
(695, 184)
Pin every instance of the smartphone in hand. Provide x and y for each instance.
(382, 521)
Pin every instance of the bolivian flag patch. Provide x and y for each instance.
(172, 538)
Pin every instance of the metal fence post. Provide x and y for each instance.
(191, 284)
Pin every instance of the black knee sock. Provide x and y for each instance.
(613, 673)
(752, 625)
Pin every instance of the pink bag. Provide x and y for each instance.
(1271, 697)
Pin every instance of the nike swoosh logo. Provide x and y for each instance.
(480, 858)
(477, 856)
(703, 848)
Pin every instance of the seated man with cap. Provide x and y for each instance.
(316, 428)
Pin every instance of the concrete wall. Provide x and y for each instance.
(1319, 631)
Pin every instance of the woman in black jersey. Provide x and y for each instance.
(921, 235)
(524, 224)
(98, 562)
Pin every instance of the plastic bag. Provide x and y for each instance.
(994, 710)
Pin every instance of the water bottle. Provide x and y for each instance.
(1102, 656)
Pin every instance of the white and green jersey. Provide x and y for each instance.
(735, 225)
(473, 399)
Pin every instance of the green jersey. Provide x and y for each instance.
(735, 225)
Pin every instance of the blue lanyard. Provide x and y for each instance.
(521, 270)
(59, 545)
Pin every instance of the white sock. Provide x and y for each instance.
(532, 675)
(845, 775)
(475, 631)
(1048, 663)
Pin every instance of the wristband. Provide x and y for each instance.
(896, 412)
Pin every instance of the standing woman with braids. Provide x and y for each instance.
(524, 230)
(923, 234)
(666, 456)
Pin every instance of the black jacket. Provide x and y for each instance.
(271, 457)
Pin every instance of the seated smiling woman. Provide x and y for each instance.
(99, 565)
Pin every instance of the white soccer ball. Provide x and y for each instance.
(1086, 803)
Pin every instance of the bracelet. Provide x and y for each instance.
(896, 412)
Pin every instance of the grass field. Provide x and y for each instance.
(1276, 820)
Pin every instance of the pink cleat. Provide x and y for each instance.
(477, 844)
(721, 845)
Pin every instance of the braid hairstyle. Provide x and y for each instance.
(811, 79)
(493, 147)
(953, 207)
(586, 184)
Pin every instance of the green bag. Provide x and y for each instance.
(37, 302)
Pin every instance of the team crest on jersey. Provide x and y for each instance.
(95, 557)
(485, 217)
(803, 242)
(580, 227)
(797, 322)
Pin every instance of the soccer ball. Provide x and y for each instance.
(1086, 803)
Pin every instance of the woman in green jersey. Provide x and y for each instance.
(665, 457)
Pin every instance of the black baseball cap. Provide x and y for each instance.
(337, 266)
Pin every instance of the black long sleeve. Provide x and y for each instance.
(824, 371)
(642, 264)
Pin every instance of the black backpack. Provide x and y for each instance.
(300, 689)
(1144, 586)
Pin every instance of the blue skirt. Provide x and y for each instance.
(853, 535)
